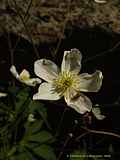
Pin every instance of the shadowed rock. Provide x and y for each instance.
(45, 21)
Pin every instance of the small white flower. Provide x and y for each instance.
(31, 118)
(68, 83)
(3, 94)
(24, 77)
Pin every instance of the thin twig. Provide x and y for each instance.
(11, 53)
(27, 11)
(104, 132)
(26, 19)
(45, 121)
(97, 132)
(82, 135)
(63, 30)
(60, 122)
(10, 48)
(102, 53)
(26, 28)
(64, 145)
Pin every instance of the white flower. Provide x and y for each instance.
(3, 94)
(24, 77)
(68, 82)
(31, 118)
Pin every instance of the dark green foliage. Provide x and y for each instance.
(22, 139)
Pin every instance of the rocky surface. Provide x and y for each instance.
(45, 21)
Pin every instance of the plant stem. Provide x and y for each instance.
(102, 53)
(60, 122)
(97, 132)
(26, 28)
(63, 29)
(64, 145)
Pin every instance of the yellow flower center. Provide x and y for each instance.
(24, 75)
(24, 78)
(65, 81)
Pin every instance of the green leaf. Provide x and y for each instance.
(41, 137)
(13, 90)
(46, 152)
(34, 126)
(3, 109)
(39, 107)
(21, 156)
(21, 98)
(36, 106)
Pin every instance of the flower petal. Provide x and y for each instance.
(46, 92)
(24, 75)
(14, 72)
(81, 103)
(97, 113)
(31, 81)
(46, 69)
(91, 83)
(72, 61)
(3, 94)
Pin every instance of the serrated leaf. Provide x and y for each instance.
(4, 107)
(21, 156)
(31, 145)
(46, 152)
(37, 106)
(41, 137)
(34, 126)
(23, 93)
(21, 97)
(13, 90)
(2, 110)
(97, 113)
